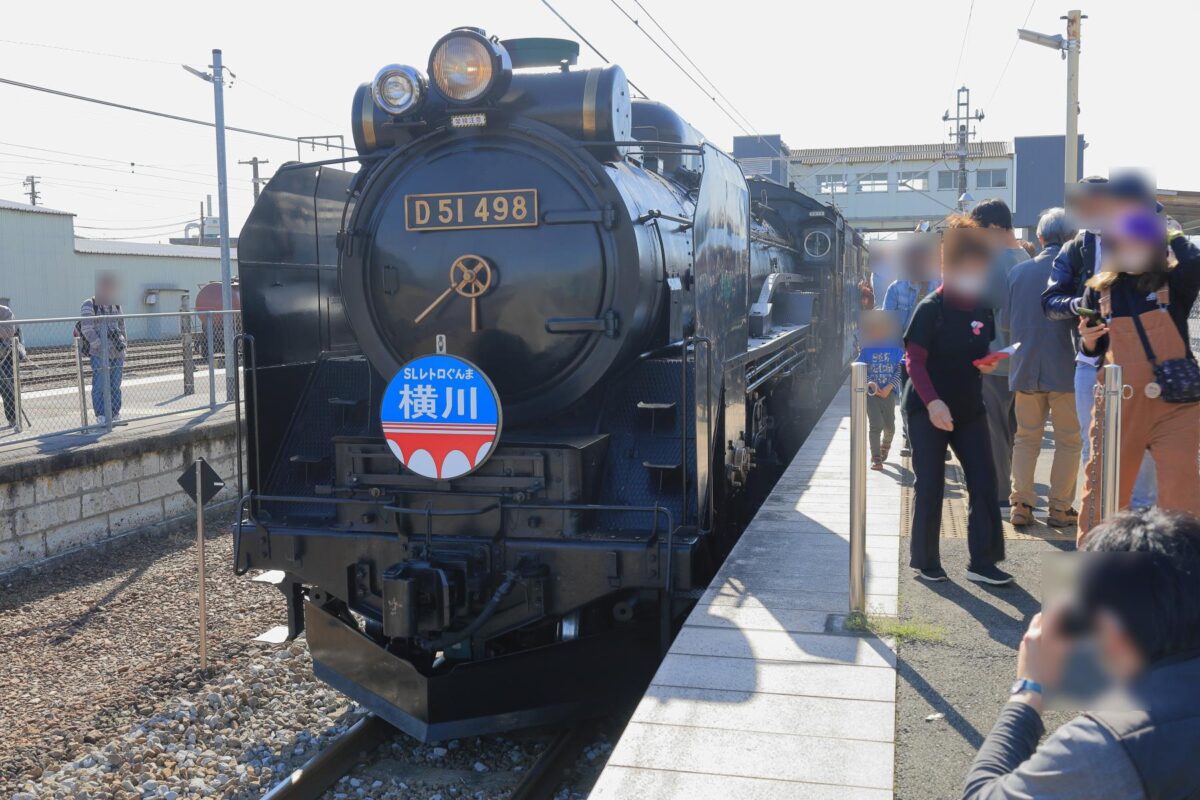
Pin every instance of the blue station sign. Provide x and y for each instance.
(441, 416)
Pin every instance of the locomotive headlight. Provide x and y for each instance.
(398, 89)
(467, 67)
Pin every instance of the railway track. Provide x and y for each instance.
(54, 367)
(540, 781)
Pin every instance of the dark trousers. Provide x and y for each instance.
(985, 534)
(1001, 407)
(881, 421)
(6, 388)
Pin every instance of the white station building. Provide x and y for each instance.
(48, 271)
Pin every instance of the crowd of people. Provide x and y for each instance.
(1001, 337)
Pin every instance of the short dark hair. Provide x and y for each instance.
(993, 211)
(1158, 601)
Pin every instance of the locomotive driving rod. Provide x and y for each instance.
(321, 771)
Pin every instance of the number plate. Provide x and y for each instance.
(449, 211)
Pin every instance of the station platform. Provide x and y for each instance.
(764, 694)
(62, 493)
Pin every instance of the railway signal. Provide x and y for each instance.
(201, 483)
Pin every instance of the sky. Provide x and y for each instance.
(859, 72)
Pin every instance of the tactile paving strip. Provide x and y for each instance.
(954, 510)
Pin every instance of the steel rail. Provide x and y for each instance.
(323, 770)
(542, 780)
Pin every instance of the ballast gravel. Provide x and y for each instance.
(101, 695)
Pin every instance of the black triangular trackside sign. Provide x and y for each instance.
(210, 482)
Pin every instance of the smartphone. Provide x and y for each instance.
(1091, 315)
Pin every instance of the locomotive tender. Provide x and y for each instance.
(658, 331)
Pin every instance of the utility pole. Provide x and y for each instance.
(961, 133)
(34, 194)
(217, 79)
(254, 162)
(1074, 25)
(1069, 47)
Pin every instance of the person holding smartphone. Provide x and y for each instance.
(1135, 314)
(946, 348)
(1136, 606)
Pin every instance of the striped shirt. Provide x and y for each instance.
(91, 328)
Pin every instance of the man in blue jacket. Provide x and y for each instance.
(1092, 201)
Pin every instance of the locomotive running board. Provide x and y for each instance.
(535, 687)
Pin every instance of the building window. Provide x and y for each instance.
(873, 182)
(947, 180)
(913, 182)
(833, 183)
(757, 166)
(991, 179)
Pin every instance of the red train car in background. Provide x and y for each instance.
(208, 298)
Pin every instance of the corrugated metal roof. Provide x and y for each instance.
(112, 247)
(901, 152)
(12, 205)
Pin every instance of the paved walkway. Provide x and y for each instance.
(52, 410)
(762, 696)
(20, 456)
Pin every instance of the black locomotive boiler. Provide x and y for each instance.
(659, 332)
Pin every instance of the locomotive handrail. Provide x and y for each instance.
(238, 365)
(654, 213)
(639, 143)
(329, 162)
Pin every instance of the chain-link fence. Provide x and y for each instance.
(91, 373)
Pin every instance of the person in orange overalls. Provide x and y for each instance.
(1155, 284)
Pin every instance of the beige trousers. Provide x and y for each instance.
(1033, 408)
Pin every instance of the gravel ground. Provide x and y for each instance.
(101, 696)
(94, 644)
(949, 692)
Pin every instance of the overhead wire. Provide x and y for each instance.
(585, 40)
(159, 61)
(1011, 53)
(115, 160)
(679, 66)
(963, 47)
(81, 51)
(158, 193)
(151, 112)
(694, 65)
(103, 168)
(160, 226)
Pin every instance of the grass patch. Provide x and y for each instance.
(900, 630)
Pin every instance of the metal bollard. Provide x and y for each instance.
(1110, 479)
(858, 487)
(16, 381)
(83, 414)
(212, 362)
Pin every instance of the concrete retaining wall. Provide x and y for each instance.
(60, 503)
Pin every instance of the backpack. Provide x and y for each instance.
(84, 347)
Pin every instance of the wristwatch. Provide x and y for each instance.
(1025, 685)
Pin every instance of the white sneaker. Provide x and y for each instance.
(100, 420)
(117, 418)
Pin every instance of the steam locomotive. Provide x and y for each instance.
(657, 330)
